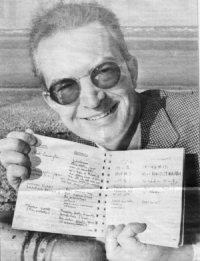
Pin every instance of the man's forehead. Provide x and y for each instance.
(93, 33)
(83, 46)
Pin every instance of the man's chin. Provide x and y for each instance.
(107, 139)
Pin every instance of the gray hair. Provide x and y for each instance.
(67, 16)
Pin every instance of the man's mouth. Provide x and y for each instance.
(103, 115)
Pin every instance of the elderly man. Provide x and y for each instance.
(89, 78)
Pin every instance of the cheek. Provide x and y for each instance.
(128, 103)
(126, 79)
(67, 114)
(124, 94)
(124, 89)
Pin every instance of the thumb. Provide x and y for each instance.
(111, 238)
(128, 237)
(30, 131)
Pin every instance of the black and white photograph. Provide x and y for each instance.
(99, 130)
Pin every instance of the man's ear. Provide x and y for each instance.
(132, 65)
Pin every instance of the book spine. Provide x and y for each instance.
(102, 196)
(107, 170)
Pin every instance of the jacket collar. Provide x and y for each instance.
(157, 130)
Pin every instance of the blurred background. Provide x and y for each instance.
(163, 35)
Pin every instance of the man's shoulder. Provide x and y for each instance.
(176, 102)
(173, 112)
(187, 95)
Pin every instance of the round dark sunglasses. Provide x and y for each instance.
(67, 90)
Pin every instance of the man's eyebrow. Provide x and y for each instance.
(103, 60)
(109, 58)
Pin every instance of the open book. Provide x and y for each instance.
(80, 190)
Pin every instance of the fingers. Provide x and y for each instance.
(123, 236)
(18, 141)
(111, 238)
(29, 131)
(132, 229)
(27, 136)
(17, 165)
(14, 157)
(15, 142)
(127, 238)
(12, 144)
(15, 174)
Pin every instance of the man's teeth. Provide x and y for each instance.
(99, 116)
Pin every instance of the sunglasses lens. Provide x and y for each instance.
(65, 91)
(106, 75)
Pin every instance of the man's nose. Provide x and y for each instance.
(90, 96)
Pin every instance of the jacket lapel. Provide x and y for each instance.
(157, 130)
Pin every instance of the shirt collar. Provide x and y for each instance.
(135, 143)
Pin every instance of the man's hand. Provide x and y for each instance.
(122, 245)
(14, 156)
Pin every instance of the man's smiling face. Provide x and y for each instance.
(100, 115)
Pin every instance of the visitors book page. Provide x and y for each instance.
(63, 191)
(78, 189)
(146, 186)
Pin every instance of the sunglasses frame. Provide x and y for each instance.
(77, 80)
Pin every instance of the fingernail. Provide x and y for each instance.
(29, 131)
(38, 142)
(24, 177)
(27, 150)
(32, 138)
(121, 225)
(33, 143)
(111, 227)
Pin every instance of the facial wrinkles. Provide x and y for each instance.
(113, 96)
(84, 48)
(108, 130)
(86, 51)
(101, 46)
(110, 99)
(88, 89)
